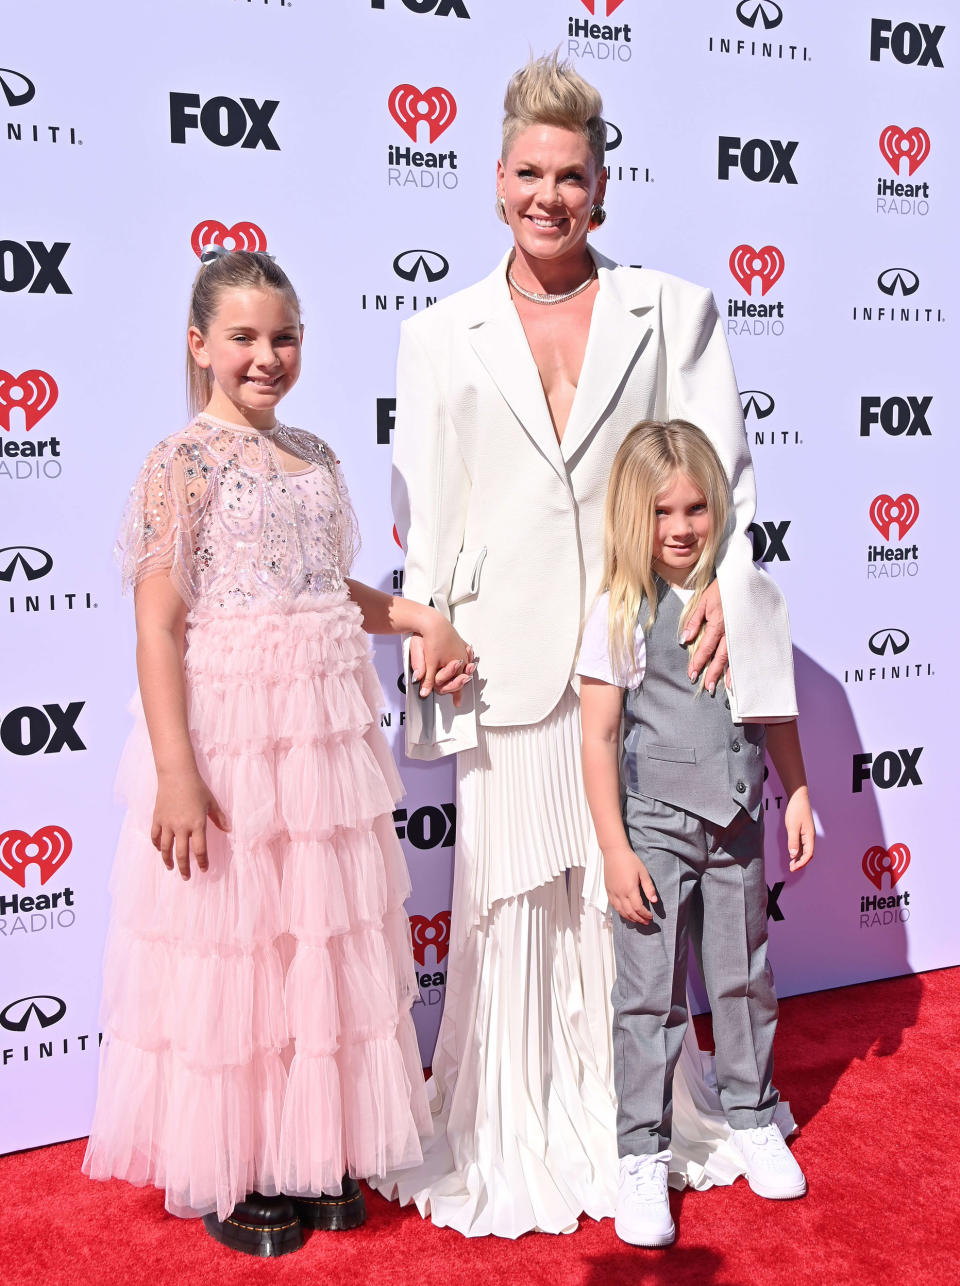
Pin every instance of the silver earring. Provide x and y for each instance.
(501, 209)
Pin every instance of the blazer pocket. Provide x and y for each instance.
(675, 754)
(466, 575)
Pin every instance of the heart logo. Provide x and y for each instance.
(885, 511)
(430, 933)
(895, 144)
(47, 849)
(591, 5)
(242, 236)
(878, 862)
(35, 392)
(767, 263)
(408, 107)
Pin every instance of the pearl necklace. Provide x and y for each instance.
(536, 297)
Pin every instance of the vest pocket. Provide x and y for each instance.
(675, 754)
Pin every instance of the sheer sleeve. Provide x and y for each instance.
(314, 450)
(349, 526)
(163, 511)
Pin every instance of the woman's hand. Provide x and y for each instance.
(180, 820)
(624, 876)
(798, 819)
(439, 658)
(712, 649)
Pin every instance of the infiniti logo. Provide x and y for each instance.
(47, 1010)
(410, 263)
(756, 403)
(614, 136)
(16, 88)
(33, 562)
(770, 14)
(892, 280)
(896, 641)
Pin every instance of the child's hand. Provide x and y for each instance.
(625, 875)
(798, 820)
(180, 820)
(440, 659)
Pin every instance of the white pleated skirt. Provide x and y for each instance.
(522, 1087)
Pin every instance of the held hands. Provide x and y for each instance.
(712, 649)
(625, 875)
(798, 819)
(439, 658)
(180, 821)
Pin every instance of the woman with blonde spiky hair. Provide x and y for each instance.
(512, 399)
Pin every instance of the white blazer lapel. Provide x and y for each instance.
(498, 340)
(620, 329)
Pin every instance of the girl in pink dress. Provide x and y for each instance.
(259, 1055)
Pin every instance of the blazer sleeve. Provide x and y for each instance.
(702, 388)
(430, 491)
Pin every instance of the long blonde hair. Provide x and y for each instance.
(238, 270)
(550, 92)
(652, 455)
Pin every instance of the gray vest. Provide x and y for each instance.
(681, 745)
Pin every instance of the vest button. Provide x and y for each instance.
(735, 745)
(741, 787)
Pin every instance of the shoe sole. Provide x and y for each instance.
(332, 1214)
(265, 1241)
(772, 1195)
(651, 1243)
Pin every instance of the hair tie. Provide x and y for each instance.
(212, 252)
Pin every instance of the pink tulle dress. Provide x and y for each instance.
(256, 1018)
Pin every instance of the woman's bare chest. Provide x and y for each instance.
(557, 338)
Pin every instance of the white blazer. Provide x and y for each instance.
(503, 525)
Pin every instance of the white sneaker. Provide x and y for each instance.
(643, 1209)
(772, 1170)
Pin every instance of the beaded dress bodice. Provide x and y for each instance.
(215, 509)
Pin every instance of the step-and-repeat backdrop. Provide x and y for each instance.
(799, 158)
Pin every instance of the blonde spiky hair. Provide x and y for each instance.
(549, 92)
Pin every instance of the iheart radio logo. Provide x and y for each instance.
(242, 236)
(592, 6)
(767, 263)
(408, 107)
(47, 849)
(885, 511)
(878, 862)
(430, 933)
(35, 392)
(895, 144)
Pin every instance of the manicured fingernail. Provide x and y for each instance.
(711, 688)
(685, 636)
(693, 675)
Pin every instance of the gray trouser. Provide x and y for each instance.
(711, 886)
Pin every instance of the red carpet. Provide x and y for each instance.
(871, 1073)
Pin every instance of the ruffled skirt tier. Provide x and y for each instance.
(257, 1029)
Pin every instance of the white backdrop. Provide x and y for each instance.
(849, 392)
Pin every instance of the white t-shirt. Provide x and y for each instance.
(594, 660)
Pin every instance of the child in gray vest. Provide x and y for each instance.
(675, 790)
